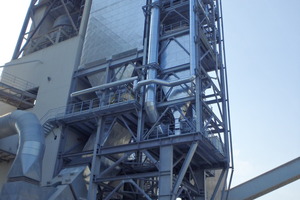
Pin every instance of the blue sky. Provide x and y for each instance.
(263, 61)
(262, 46)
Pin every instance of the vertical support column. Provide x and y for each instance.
(194, 65)
(82, 29)
(223, 85)
(166, 173)
(200, 179)
(81, 34)
(23, 30)
(184, 168)
(61, 149)
(96, 162)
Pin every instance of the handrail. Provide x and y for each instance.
(16, 82)
(88, 105)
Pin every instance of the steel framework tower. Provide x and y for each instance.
(162, 132)
(148, 108)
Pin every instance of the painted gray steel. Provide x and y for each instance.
(267, 182)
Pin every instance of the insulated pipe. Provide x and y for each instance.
(162, 82)
(150, 97)
(29, 157)
(104, 86)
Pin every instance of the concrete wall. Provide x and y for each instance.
(51, 70)
(210, 185)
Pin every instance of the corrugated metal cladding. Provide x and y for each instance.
(114, 26)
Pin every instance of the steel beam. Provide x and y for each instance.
(148, 144)
(127, 177)
(23, 30)
(184, 168)
(96, 162)
(267, 182)
(166, 172)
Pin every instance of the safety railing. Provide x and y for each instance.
(16, 82)
(169, 129)
(175, 26)
(170, 3)
(159, 132)
(75, 109)
(186, 127)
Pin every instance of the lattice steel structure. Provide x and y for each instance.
(148, 108)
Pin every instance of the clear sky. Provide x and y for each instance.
(263, 60)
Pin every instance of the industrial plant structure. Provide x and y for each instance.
(117, 99)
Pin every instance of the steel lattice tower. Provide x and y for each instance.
(148, 108)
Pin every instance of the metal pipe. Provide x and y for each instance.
(150, 97)
(104, 86)
(29, 157)
(162, 82)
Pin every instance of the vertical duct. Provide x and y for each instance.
(150, 98)
(28, 161)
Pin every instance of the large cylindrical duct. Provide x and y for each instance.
(28, 161)
(150, 98)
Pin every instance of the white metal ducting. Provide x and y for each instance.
(150, 98)
(28, 161)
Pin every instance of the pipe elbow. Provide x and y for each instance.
(29, 157)
(151, 111)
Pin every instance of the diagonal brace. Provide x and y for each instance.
(184, 168)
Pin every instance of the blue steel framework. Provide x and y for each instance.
(172, 142)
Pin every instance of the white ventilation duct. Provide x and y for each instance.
(150, 98)
(28, 161)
